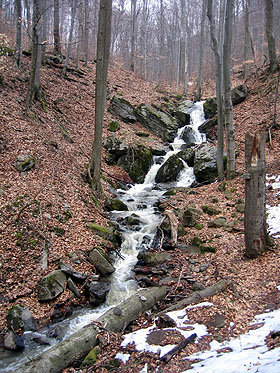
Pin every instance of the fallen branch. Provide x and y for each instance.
(167, 357)
(173, 221)
(198, 296)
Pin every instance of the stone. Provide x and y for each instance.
(210, 107)
(169, 170)
(190, 216)
(210, 210)
(187, 155)
(218, 321)
(189, 137)
(97, 291)
(51, 286)
(122, 109)
(24, 162)
(205, 163)
(75, 275)
(113, 204)
(101, 262)
(217, 223)
(91, 358)
(207, 125)
(153, 258)
(71, 286)
(240, 207)
(19, 317)
(189, 249)
(157, 122)
(13, 342)
(183, 112)
(100, 230)
(239, 94)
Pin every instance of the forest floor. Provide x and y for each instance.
(33, 204)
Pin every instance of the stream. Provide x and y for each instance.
(140, 200)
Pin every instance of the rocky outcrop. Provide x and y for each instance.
(101, 262)
(210, 107)
(205, 163)
(115, 148)
(169, 170)
(189, 137)
(158, 122)
(137, 162)
(20, 318)
(51, 286)
(187, 155)
(122, 109)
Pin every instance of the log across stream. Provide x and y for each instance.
(80, 336)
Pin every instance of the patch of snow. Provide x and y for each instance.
(123, 357)
(273, 220)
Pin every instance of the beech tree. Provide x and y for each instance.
(56, 34)
(102, 64)
(73, 7)
(269, 28)
(19, 32)
(34, 91)
(133, 34)
(201, 50)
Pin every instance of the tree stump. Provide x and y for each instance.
(256, 237)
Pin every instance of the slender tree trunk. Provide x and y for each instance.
(70, 38)
(19, 33)
(161, 42)
(256, 238)
(269, 28)
(247, 40)
(201, 50)
(221, 35)
(183, 71)
(86, 31)
(56, 34)
(133, 34)
(34, 91)
(102, 64)
(218, 65)
(144, 39)
(29, 23)
(230, 140)
(80, 34)
(45, 28)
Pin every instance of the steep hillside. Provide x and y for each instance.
(51, 204)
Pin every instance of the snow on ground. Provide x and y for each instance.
(273, 212)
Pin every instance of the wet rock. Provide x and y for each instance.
(41, 339)
(97, 291)
(113, 204)
(24, 162)
(158, 122)
(207, 125)
(188, 156)
(51, 286)
(169, 170)
(189, 137)
(54, 332)
(205, 163)
(61, 312)
(158, 151)
(71, 286)
(153, 258)
(19, 317)
(101, 262)
(183, 112)
(13, 342)
(132, 220)
(122, 109)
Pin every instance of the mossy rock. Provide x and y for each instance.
(190, 216)
(91, 358)
(24, 162)
(142, 134)
(210, 107)
(217, 223)
(20, 318)
(60, 232)
(113, 204)
(207, 249)
(51, 286)
(210, 210)
(101, 262)
(196, 241)
(99, 230)
(240, 207)
(169, 170)
(114, 126)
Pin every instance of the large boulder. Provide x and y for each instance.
(205, 163)
(115, 148)
(158, 122)
(169, 170)
(210, 107)
(239, 94)
(122, 109)
(183, 112)
(101, 262)
(187, 155)
(51, 286)
(189, 137)
(19, 317)
(137, 162)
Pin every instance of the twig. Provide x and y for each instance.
(167, 357)
(35, 202)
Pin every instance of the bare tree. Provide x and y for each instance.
(247, 40)
(219, 91)
(19, 32)
(183, 50)
(74, 5)
(201, 50)
(269, 28)
(56, 34)
(28, 23)
(133, 34)
(87, 23)
(230, 139)
(102, 64)
(34, 91)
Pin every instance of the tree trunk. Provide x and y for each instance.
(230, 140)
(183, 59)
(34, 91)
(86, 31)
(218, 65)
(19, 33)
(45, 28)
(269, 28)
(28, 23)
(73, 13)
(103, 54)
(133, 34)
(80, 343)
(56, 35)
(201, 50)
(256, 238)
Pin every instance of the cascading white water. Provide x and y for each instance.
(140, 200)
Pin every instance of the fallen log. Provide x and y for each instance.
(75, 347)
(198, 296)
(168, 356)
(173, 221)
